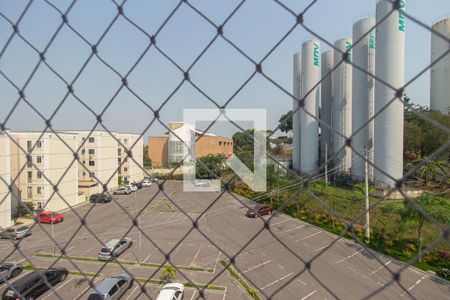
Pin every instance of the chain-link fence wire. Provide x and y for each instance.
(304, 181)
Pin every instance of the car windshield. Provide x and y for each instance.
(95, 297)
(53, 214)
(23, 228)
(106, 250)
(254, 208)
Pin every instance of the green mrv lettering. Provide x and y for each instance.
(401, 15)
(316, 55)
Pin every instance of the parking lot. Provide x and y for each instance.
(273, 261)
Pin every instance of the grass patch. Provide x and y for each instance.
(123, 262)
(212, 287)
(250, 290)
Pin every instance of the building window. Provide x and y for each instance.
(38, 205)
(91, 174)
(39, 144)
(126, 159)
(119, 151)
(39, 175)
(119, 160)
(92, 151)
(39, 190)
(29, 192)
(29, 146)
(83, 151)
(125, 141)
(29, 161)
(125, 169)
(91, 163)
(91, 140)
(84, 173)
(29, 177)
(39, 159)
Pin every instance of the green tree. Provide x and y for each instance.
(210, 163)
(430, 171)
(168, 273)
(147, 161)
(437, 208)
(286, 122)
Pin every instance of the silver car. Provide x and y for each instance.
(114, 248)
(15, 232)
(122, 191)
(112, 288)
(9, 270)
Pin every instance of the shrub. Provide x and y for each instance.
(24, 209)
(444, 273)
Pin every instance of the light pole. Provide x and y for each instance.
(53, 238)
(366, 196)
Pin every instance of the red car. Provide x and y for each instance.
(50, 217)
(259, 210)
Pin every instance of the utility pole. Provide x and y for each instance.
(326, 165)
(53, 239)
(366, 195)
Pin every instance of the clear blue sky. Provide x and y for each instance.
(255, 28)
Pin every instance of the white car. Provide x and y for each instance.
(171, 291)
(132, 187)
(146, 182)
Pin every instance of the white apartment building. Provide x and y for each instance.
(5, 181)
(131, 169)
(51, 160)
(98, 156)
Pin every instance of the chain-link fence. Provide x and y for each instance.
(131, 219)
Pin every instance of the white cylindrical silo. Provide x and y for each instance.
(342, 105)
(389, 67)
(326, 102)
(296, 115)
(440, 72)
(309, 126)
(363, 94)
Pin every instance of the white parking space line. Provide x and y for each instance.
(151, 253)
(378, 269)
(193, 294)
(285, 220)
(132, 292)
(88, 287)
(291, 229)
(309, 295)
(86, 251)
(309, 236)
(351, 255)
(272, 283)
(414, 285)
(57, 288)
(257, 266)
(196, 254)
(217, 261)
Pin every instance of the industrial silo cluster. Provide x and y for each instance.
(349, 97)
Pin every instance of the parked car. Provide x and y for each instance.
(138, 185)
(171, 291)
(122, 191)
(146, 182)
(259, 210)
(15, 232)
(9, 270)
(114, 248)
(50, 217)
(33, 284)
(112, 288)
(132, 187)
(100, 198)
